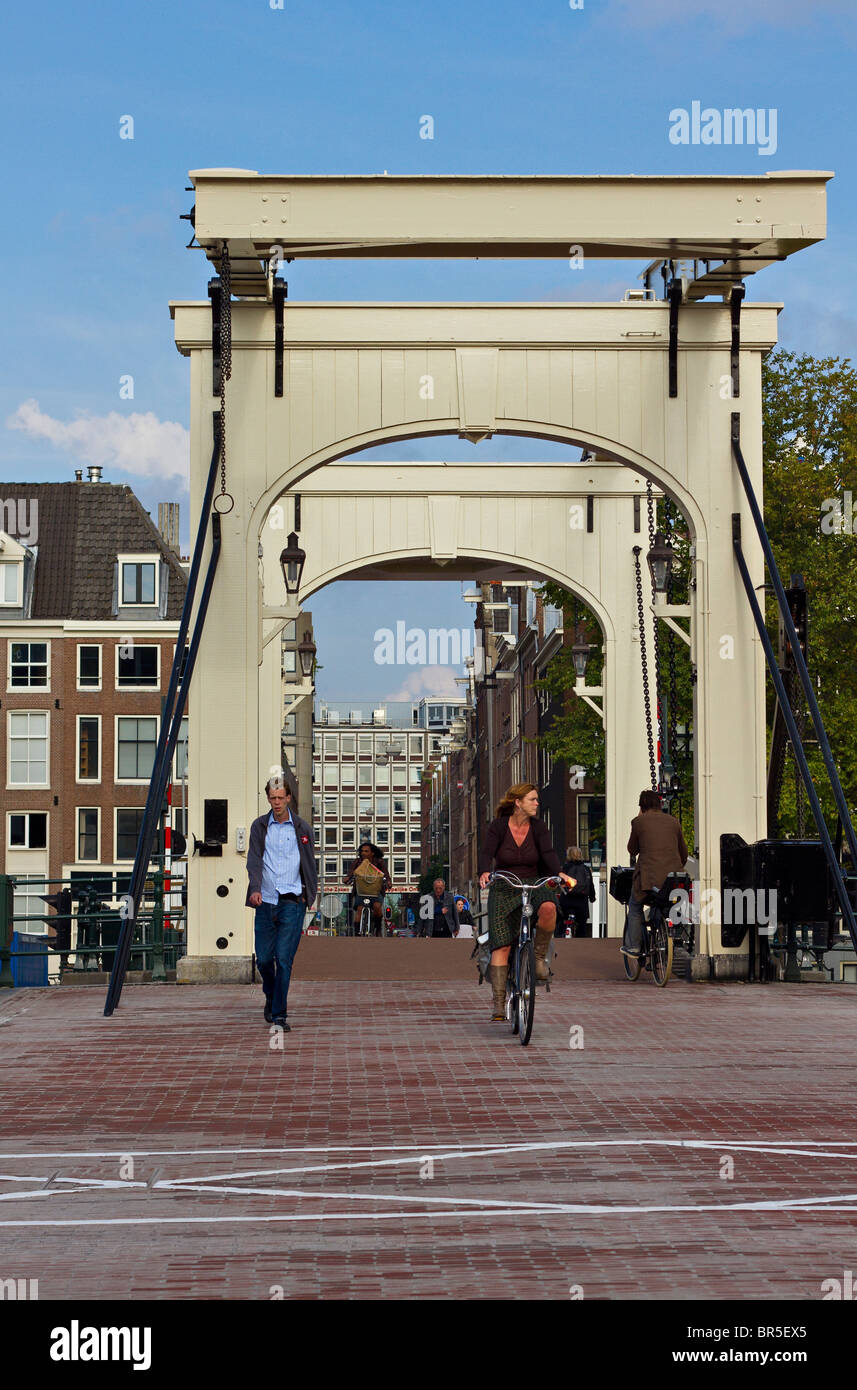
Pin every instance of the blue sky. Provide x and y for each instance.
(94, 249)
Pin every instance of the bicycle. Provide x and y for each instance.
(521, 976)
(658, 931)
(365, 927)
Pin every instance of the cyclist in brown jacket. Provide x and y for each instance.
(658, 844)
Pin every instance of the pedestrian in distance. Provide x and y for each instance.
(282, 885)
(576, 903)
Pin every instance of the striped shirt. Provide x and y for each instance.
(281, 866)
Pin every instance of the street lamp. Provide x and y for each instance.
(580, 656)
(595, 855)
(660, 560)
(306, 654)
(292, 560)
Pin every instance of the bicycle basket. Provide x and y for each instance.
(621, 878)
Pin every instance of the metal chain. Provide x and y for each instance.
(225, 352)
(656, 647)
(644, 663)
(671, 641)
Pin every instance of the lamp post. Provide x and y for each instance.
(292, 559)
(306, 654)
(660, 562)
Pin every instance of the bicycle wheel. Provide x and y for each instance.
(661, 954)
(527, 992)
(365, 917)
(633, 965)
(512, 993)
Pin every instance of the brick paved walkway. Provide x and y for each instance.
(307, 1168)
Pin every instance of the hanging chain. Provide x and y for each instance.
(225, 359)
(656, 646)
(644, 663)
(671, 647)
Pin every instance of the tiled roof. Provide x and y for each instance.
(82, 528)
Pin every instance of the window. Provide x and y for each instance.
(316, 834)
(128, 823)
(331, 806)
(399, 839)
(365, 807)
(183, 666)
(348, 833)
(30, 913)
(87, 834)
(331, 775)
(180, 768)
(28, 665)
(137, 667)
(289, 631)
(88, 748)
(11, 572)
(382, 774)
(435, 714)
(364, 743)
(89, 668)
(180, 822)
(416, 837)
(399, 806)
(399, 868)
(416, 868)
(29, 830)
(382, 807)
(290, 662)
(415, 775)
(400, 777)
(416, 745)
(138, 583)
(331, 837)
(382, 836)
(331, 745)
(434, 744)
(290, 750)
(349, 807)
(346, 864)
(331, 868)
(289, 724)
(136, 740)
(349, 745)
(414, 802)
(364, 776)
(28, 749)
(552, 618)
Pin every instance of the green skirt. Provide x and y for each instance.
(504, 912)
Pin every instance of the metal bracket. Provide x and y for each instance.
(279, 293)
(674, 295)
(737, 295)
(215, 294)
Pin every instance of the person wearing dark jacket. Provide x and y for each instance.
(519, 842)
(371, 885)
(576, 903)
(282, 884)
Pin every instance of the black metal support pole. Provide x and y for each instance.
(800, 757)
(169, 731)
(794, 643)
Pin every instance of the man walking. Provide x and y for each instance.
(283, 883)
(441, 920)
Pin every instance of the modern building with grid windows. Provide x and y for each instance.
(367, 769)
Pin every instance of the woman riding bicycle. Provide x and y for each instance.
(518, 842)
(371, 880)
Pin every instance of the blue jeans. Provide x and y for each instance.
(278, 935)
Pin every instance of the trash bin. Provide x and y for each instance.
(29, 969)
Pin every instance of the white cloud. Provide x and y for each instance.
(429, 680)
(138, 444)
(750, 14)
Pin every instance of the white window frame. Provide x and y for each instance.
(16, 689)
(77, 811)
(140, 558)
(86, 689)
(130, 781)
(88, 781)
(17, 786)
(185, 721)
(37, 849)
(144, 688)
(19, 601)
(116, 810)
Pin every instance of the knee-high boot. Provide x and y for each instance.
(540, 947)
(497, 976)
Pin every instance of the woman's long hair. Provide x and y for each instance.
(516, 793)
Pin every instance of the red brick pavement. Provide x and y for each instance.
(304, 1169)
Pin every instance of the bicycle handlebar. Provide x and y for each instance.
(515, 882)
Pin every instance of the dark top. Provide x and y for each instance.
(584, 885)
(535, 858)
(658, 843)
(256, 856)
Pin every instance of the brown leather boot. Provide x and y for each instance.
(497, 976)
(542, 941)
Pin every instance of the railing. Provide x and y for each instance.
(86, 938)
